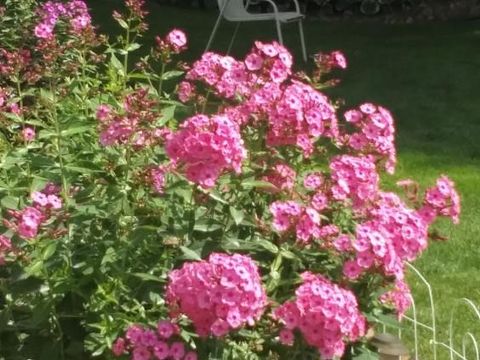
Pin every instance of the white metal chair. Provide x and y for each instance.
(236, 11)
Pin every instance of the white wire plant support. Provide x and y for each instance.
(442, 348)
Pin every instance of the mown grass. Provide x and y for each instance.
(428, 75)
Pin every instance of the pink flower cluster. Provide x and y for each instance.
(207, 146)
(400, 297)
(157, 177)
(218, 295)
(5, 248)
(51, 12)
(227, 76)
(269, 62)
(298, 115)
(394, 234)
(12, 62)
(7, 102)
(325, 314)
(146, 344)
(27, 221)
(441, 200)
(282, 176)
(376, 133)
(291, 215)
(354, 177)
(133, 124)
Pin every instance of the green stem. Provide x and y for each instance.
(25, 142)
(125, 58)
(58, 146)
(160, 83)
(204, 106)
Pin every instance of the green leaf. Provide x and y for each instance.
(34, 269)
(81, 170)
(237, 215)
(167, 114)
(10, 202)
(76, 130)
(189, 254)
(49, 250)
(147, 277)
(45, 134)
(388, 321)
(249, 184)
(171, 74)
(116, 64)
(215, 195)
(133, 47)
(267, 245)
(207, 227)
(366, 354)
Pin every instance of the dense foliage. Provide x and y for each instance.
(215, 210)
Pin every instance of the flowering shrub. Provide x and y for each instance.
(239, 216)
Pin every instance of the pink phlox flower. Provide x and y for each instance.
(227, 293)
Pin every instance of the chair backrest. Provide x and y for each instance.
(234, 9)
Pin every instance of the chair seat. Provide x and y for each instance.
(286, 16)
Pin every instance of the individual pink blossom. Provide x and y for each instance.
(218, 295)
(28, 134)
(161, 350)
(319, 201)
(313, 181)
(118, 347)
(185, 91)
(165, 329)
(338, 59)
(103, 112)
(44, 31)
(287, 337)
(191, 355)
(254, 62)
(54, 201)
(39, 198)
(177, 350)
(177, 39)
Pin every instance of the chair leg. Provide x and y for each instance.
(279, 32)
(215, 27)
(233, 38)
(302, 40)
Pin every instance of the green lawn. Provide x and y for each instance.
(428, 75)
